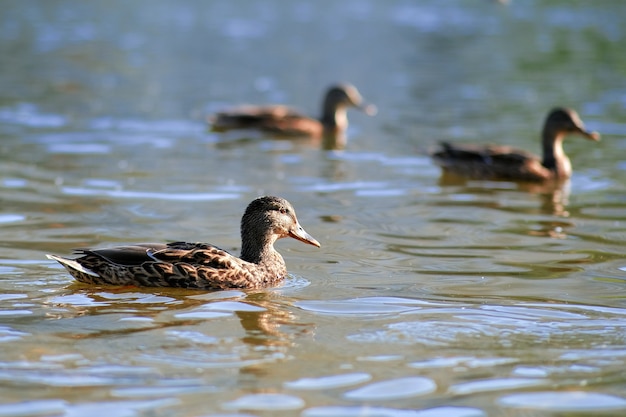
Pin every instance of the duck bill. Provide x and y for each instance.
(300, 234)
(368, 109)
(595, 136)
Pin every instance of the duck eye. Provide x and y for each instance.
(282, 210)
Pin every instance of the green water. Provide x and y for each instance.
(426, 298)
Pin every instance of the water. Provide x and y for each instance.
(427, 298)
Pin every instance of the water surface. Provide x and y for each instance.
(427, 298)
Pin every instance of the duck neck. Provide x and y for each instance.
(554, 157)
(259, 251)
(334, 117)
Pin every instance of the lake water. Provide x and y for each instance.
(427, 298)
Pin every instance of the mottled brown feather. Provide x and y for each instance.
(280, 120)
(507, 163)
(199, 265)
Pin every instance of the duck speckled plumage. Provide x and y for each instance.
(284, 121)
(199, 265)
(507, 163)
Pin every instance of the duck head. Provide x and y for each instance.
(562, 121)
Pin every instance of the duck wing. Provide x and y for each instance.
(278, 120)
(126, 255)
(178, 264)
(252, 117)
(194, 254)
(490, 161)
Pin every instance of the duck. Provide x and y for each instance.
(198, 265)
(284, 121)
(496, 162)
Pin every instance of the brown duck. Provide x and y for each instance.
(284, 121)
(199, 265)
(507, 163)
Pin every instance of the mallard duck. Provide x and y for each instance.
(199, 265)
(507, 163)
(281, 120)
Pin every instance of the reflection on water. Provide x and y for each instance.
(554, 195)
(430, 296)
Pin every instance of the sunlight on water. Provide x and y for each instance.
(149, 195)
(564, 401)
(507, 323)
(499, 384)
(393, 389)
(429, 296)
(266, 402)
(329, 382)
(366, 411)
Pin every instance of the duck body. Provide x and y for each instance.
(498, 162)
(284, 121)
(277, 120)
(198, 265)
(493, 162)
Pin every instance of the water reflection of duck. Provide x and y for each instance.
(507, 163)
(199, 265)
(283, 121)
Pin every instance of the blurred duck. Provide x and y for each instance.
(507, 163)
(284, 121)
(199, 265)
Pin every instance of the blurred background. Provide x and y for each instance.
(468, 299)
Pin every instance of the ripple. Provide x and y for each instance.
(68, 357)
(11, 218)
(440, 362)
(33, 408)
(4, 297)
(202, 314)
(291, 283)
(350, 307)
(564, 401)
(529, 371)
(61, 379)
(496, 384)
(192, 336)
(6, 313)
(365, 305)
(380, 358)
(502, 325)
(218, 295)
(219, 309)
(438, 333)
(366, 411)
(120, 409)
(79, 148)
(27, 114)
(138, 319)
(393, 389)
(8, 334)
(328, 382)
(177, 127)
(388, 192)
(14, 182)
(345, 186)
(265, 402)
(149, 195)
(156, 391)
(194, 359)
(232, 306)
(137, 298)
(78, 300)
(606, 353)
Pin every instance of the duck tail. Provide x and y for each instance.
(72, 265)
